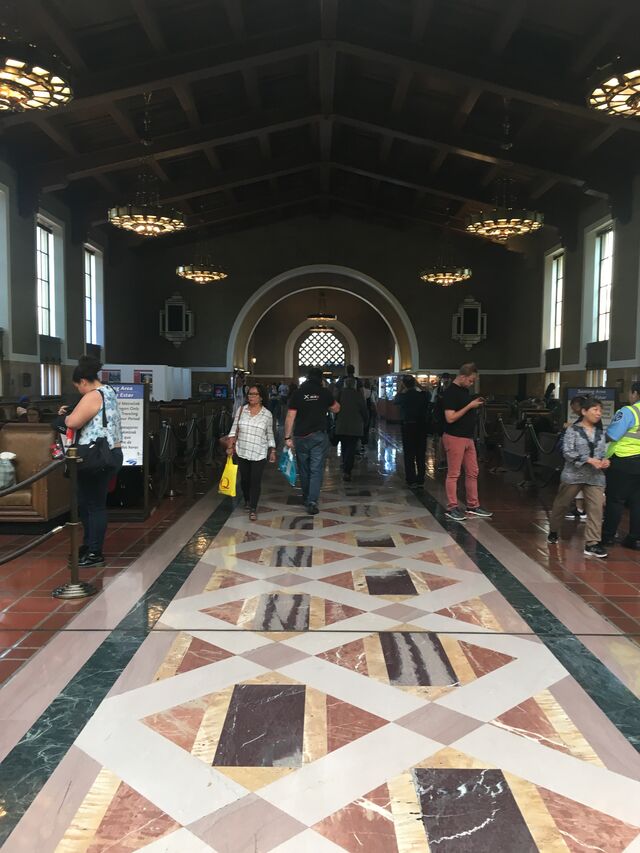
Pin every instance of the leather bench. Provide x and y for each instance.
(45, 499)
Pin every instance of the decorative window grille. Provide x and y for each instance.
(321, 349)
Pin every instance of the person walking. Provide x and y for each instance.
(623, 475)
(460, 417)
(96, 416)
(351, 423)
(305, 429)
(584, 451)
(253, 443)
(414, 410)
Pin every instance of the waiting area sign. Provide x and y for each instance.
(607, 397)
(131, 404)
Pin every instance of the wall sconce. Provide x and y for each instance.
(253, 359)
(389, 361)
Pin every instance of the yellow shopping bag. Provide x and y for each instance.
(228, 480)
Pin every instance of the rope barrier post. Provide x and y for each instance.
(172, 491)
(75, 588)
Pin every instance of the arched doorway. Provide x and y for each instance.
(326, 277)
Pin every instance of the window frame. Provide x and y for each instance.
(50, 379)
(45, 285)
(90, 299)
(557, 301)
(602, 319)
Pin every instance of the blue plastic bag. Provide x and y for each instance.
(287, 465)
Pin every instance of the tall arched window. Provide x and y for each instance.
(321, 349)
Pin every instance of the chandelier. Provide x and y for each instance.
(505, 219)
(202, 271)
(615, 89)
(322, 315)
(321, 330)
(445, 271)
(145, 215)
(31, 79)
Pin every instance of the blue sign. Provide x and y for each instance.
(607, 396)
(129, 392)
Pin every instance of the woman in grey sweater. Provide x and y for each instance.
(584, 451)
(350, 423)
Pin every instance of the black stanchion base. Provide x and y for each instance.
(74, 590)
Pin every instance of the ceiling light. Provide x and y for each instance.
(505, 219)
(30, 79)
(322, 315)
(202, 271)
(615, 89)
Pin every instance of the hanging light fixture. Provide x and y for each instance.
(31, 79)
(615, 89)
(322, 315)
(321, 330)
(445, 271)
(145, 215)
(505, 219)
(202, 271)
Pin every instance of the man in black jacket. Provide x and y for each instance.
(414, 409)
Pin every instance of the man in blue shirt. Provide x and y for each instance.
(623, 477)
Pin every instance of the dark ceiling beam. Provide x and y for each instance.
(327, 71)
(544, 185)
(605, 30)
(235, 17)
(421, 13)
(510, 19)
(52, 23)
(56, 175)
(187, 103)
(149, 23)
(228, 214)
(466, 81)
(465, 108)
(450, 224)
(163, 72)
(328, 18)
(451, 146)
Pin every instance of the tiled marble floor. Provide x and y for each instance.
(355, 681)
(29, 616)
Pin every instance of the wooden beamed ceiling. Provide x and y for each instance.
(391, 106)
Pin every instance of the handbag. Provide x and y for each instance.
(97, 456)
(225, 440)
(227, 485)
(287, 465)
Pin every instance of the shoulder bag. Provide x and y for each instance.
(96, 456)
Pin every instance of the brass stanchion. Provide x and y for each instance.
(75, 588)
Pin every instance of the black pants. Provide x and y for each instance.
(251, 471)
(414, 448)
(92, 504)
(349, 444)
(623, 488)
(365, 432)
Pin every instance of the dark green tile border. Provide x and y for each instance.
(618, 703)
(31, 762)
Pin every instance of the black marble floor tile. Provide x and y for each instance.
(299, 522)
(376, 541)
(296, 557)
(471, 811)
(394, 582)
(416, 659)
(282, 611)
(264, 727)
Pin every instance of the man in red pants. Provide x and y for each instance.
(460, 414)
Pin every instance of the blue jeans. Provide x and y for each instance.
(311, 451)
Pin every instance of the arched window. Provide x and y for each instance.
(321, 349)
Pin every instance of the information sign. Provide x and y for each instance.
(131, 404)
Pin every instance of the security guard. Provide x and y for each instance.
(623, 477)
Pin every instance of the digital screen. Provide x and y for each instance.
(221, 392)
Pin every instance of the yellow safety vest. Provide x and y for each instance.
(629, 444)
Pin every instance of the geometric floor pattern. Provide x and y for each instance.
(351, 682)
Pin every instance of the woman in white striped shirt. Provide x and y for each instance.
(253, 443)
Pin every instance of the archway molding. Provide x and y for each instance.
(324, 277)
(352, 354)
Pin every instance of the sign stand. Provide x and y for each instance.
(130, 498)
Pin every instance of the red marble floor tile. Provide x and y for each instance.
(8, 667)
(35, 639)
(34, 604)
(55, 621)
(611, 588)
(8, 638)
(20, 621)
